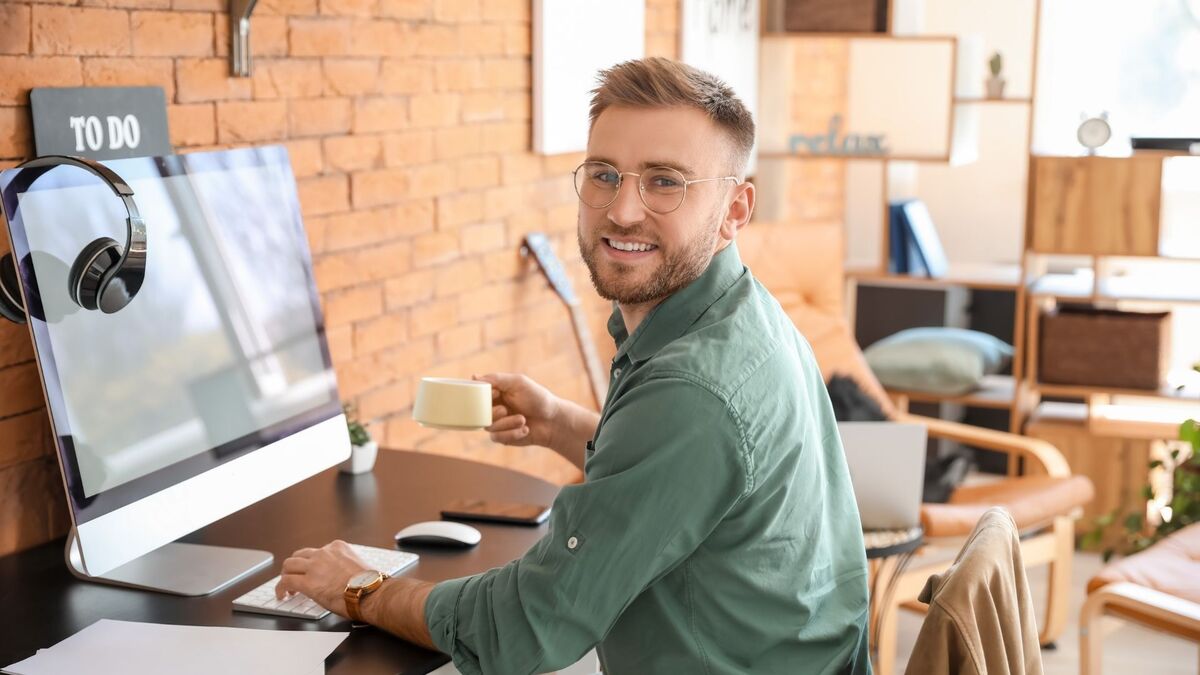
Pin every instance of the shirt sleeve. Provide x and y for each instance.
(668, 466)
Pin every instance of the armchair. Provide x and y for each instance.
(802, 266)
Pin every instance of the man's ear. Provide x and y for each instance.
(739, 211)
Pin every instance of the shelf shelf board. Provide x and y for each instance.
(977, 276)
(1130, 289)
(982, 99)
(1170, 392)
(995, 391)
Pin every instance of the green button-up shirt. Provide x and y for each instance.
(716, 530)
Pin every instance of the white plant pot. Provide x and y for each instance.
(362, 458)
(995, 87)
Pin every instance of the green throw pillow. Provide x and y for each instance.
(948, 361)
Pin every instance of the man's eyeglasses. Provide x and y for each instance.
(661, 188)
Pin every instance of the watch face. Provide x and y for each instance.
(363, 579)
(1094, 132)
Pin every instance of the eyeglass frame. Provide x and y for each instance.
(641, 188)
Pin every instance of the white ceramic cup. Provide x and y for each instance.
(448, 403)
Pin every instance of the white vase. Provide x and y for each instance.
(995, 87)
(362, 458)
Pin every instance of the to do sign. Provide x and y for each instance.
(100, 122)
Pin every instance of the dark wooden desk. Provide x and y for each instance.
(44, 604)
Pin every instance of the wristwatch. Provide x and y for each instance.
(361, 585)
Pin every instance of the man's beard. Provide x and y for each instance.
(677, 270)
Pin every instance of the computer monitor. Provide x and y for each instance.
(211, 390)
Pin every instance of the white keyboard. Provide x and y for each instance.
(262, 599)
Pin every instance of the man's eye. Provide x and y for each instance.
(608, 177)
(664, 182)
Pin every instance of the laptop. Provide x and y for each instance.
(887, 467)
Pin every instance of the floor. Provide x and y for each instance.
(1127, 648)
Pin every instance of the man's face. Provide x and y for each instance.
(683, 241)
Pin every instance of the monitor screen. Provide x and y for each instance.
(221, 352)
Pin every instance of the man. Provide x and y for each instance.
(716, 529)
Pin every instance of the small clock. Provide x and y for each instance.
(1094, 132)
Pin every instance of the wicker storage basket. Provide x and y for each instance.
(1104, 348)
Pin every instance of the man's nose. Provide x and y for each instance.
(627, 209)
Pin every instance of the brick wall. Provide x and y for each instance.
(408, 124)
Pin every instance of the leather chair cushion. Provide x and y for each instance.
(1033, 501)
(1171, 566)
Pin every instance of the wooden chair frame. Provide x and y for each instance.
(1145, 606)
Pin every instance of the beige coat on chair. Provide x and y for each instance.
(981, 619)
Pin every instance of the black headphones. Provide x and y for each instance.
(105, 276)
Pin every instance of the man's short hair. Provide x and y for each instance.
(657, 82)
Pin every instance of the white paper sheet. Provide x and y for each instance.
(110, 647)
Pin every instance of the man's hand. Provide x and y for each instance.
(321, 574)
(523, 413)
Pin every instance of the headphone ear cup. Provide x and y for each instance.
(11, 306)
(91, 271)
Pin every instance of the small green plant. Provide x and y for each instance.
(995, 64)
(358, 432)
(1183, 510)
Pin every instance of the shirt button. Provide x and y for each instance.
(572, 543)
(616, 373)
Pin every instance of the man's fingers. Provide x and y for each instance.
(507, 423)
(510, 437)
(305, 553)
(295, 565)
(502, 382)
(286, 586)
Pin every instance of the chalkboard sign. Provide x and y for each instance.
(100, 122)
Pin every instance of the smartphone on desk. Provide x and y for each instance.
(496, 512)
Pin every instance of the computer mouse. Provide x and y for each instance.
(439, 533)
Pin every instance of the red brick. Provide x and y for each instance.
(201, 6)
(504, 201)
(458, 277)
(506, 11)
(379, 188)
(477, 172)
(207, 80)
(341, 343)
(454, 11)
(458, 75)
(406, 9)
(192, 124)
(431, 180)
(518, 40)
(319, 116)
(268, 36)
(357, 266)
(15, 345)
(26, 437)
(518, 106)
(380, 114)
(435, 110)
(481, 39)
(15, 139)
(501, 329)
(507, 73)
(172, 34)
(506, 137)
(404, 76)
(34, 507)
(355, 304)
(484, 107)
(503, 265)
(380, 38)
(520, 168)
(251, 121)
(351, 77)
(22, 389)
(78, 30)
(372, 335)
(349, 7)
(362, 228)
(436, 40)
(483, 238)
(432, 317)
(287, 78)
(456, 142)
(407, 147)
(460, 341)
(381, 402)
(106, 72)
(488, 301)
(286, 7)
(306, 157)
(353, 153)
(127, 4)
(460, 209)
(14, 39)
(19, 74)
(320, 37)
(323, 194)
(435, 248)
(413, 288)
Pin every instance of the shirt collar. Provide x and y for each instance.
(673, 316)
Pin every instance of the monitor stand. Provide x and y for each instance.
(177, 568)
